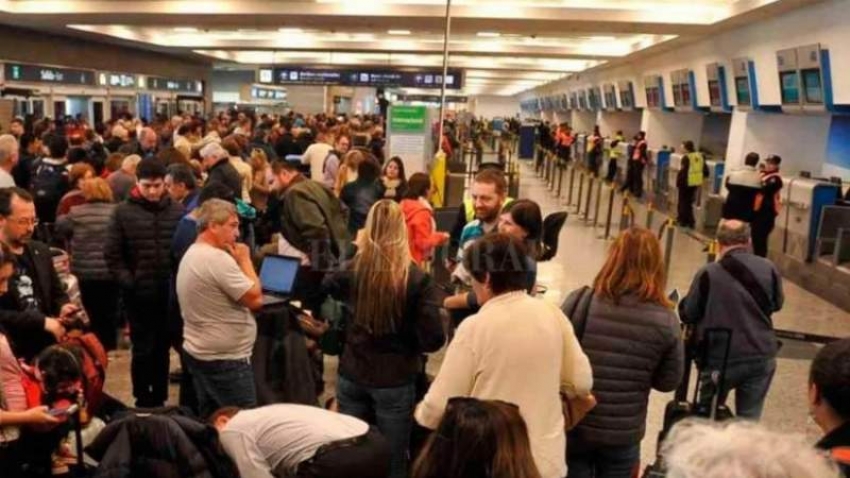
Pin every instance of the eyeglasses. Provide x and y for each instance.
(25, 221)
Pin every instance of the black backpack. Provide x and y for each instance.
(49, 184)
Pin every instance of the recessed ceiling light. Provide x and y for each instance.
(399, 32)
(489, 34)
(290, 30)
(185, 29)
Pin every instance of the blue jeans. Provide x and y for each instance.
(390, 409)
(222, 383)
(604, 462)
(751, 380)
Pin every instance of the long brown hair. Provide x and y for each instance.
(381, 269)
(634, 266)
(478, 439)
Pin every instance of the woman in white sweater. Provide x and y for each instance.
(517, 349)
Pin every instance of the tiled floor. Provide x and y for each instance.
(581, 254)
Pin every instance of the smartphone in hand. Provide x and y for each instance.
(64, 412)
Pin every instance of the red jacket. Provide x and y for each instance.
(421, 234)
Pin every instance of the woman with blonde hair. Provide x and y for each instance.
(393, 319)
(85, 228)
(628, 330)
(348, 169)
(478, 438)
(261, 184)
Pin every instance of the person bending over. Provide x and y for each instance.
(287, 440)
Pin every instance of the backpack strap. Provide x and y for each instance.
(745, 277)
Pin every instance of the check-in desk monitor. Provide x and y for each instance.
(790, 87)
(627, 95)
(746, 94)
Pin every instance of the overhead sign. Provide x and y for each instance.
(408, 119)
(267, 94)
(48, 74)
(169, 84)
(117, 80)
(432, 98)
(361, 77)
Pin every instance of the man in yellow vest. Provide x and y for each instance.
(690, 178)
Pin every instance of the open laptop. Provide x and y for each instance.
(277, 277)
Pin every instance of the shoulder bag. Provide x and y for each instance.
(576, 408)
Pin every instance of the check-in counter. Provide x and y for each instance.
(803, 200)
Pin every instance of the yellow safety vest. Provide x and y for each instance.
(469, 207)
(695, 166)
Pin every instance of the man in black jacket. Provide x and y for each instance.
(218, 167)
(138, 255)
(36, 297)
(829, 400)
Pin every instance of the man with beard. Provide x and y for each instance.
(479, 214)
(36, 295)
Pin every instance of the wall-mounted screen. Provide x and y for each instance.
(742, 91)
(714, 93)
(812, 87)
(653, 97)
(626, 100)
(790, 83)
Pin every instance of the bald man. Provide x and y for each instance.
(145, 146)
(8, 160)
(739, 292)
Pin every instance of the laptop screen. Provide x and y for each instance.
(277, 274)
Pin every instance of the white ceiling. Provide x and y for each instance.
(506, 46)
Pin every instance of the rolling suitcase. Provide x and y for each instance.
(706, 402)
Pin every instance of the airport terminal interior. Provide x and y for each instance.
(425, 238)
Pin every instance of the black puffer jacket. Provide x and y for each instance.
(160, 446)
(224, 172)
(86, 227)
(138, 245)
(633, 347)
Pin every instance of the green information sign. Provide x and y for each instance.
(408, 119)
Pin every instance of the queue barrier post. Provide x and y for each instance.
(713, 248)
(590, 180)
(670, 229)
(650, 214)
(598, 200)
(572, 184)
(580, 190)
(626, 218)
(610, 213)
(560, 179)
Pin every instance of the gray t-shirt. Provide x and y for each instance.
(277, 437)
(209, 286)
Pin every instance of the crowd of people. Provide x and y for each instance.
(165, 223)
